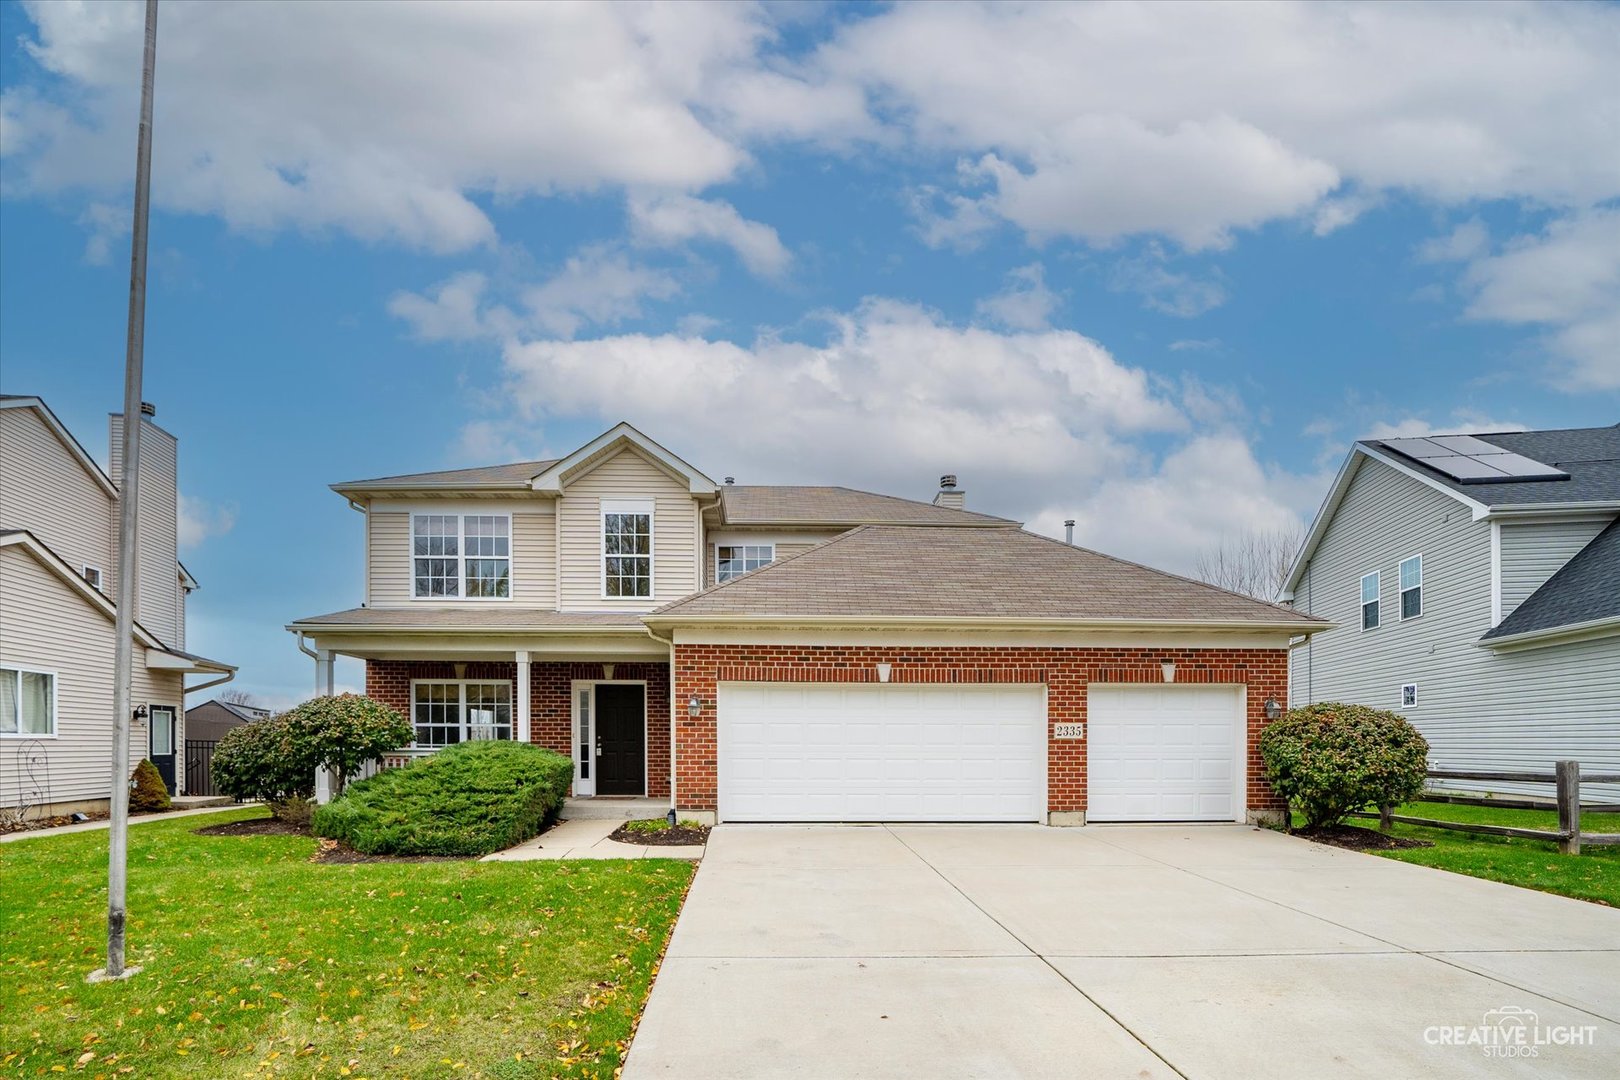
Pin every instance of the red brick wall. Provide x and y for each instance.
(550, 709)
(1065, 673)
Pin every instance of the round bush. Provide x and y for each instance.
(1331, 759)
(274, 760)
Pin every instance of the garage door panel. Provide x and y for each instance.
(882, 753)
(1163, 753)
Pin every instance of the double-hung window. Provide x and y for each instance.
(732, 560)
(461, 555)
(627, 548)
(1412, 587)
(27, 703)
(446, 712)
(1369, 601)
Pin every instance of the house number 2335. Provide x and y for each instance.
(1068, 731)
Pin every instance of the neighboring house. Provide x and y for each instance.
(210, 721)
(1474, 581)
(59, 521)
(753, 653)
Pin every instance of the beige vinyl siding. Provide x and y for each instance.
(1532, 552)
(45, 489)
(1480, 709)
(157, 605)
(626, 475)
(46, 625)
(534, 547)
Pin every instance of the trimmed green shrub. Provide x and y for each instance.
(469, 799)
(147, 791)
(274, 760)
(1331, 759)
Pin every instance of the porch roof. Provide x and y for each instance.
(479, 618)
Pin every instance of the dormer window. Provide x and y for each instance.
(456, 556)
(627, 548)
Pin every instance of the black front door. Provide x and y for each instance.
(621, 739)
(160, 720)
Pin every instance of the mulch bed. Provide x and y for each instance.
(33, 824)
(1358, 839)
(330, 851)
(266, 826)
(679, 836)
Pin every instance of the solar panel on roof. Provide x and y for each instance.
(1471, 460)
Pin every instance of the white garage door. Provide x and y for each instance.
(1163, 753)
(882, 753)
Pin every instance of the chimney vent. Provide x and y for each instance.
(949, 495)
(148, 409)
(730, 480)
(1068, 531)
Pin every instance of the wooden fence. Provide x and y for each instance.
(1566, 781)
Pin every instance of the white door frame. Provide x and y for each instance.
(1240, 739)
(586, 786)
(1045, 794)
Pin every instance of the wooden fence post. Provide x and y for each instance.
(1568, 776)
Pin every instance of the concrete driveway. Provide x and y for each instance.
(937, 952)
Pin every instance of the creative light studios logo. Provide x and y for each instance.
(1511, 1032)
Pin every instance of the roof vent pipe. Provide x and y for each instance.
(1068, 532)
(949, 495)
(148, 409)
(730, 480)
(947, 482)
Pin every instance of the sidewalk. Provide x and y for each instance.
(587, 838)
(138, 819)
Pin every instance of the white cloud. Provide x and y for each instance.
(1566, 279)
(1467, 241)
(1461, 422)
(672, 220)
(1025, 304)
(199, 520)
(1162, 289)
(453, 310)
(1042, 425)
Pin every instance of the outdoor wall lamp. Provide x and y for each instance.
(1168, 668)
(1274, 708)
(139, 713)
(694, 706)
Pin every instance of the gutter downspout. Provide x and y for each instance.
(669, 641)
(210, 684)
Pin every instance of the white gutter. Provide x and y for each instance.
(209, 685)
(1301, 626)
(1551, 635)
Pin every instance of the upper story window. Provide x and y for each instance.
(1412, 587)
(461, 555)
(732, 560)
(627, 548)
(1369, 601)
(27, 703)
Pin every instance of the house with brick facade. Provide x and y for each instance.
(798, 653)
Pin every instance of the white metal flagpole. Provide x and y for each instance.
(128, 497)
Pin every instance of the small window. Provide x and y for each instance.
(92, 574)
(1412, 587)
(1369, 601)
(626, 551)
(27, 703)
(735, 560)
(1409, 695)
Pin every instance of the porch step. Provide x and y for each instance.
(613, 807)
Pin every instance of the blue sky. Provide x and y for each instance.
(1149, 267)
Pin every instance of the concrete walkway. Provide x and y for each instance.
(587, 838)
(138, 819)
(1109, 952)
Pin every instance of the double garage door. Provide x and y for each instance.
(797, 752)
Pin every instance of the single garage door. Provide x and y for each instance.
(1163, 753)
(882, 753)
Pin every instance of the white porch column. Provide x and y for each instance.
(523, 695)
(323, 687)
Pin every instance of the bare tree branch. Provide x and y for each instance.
(1254, 563)
(237, 696)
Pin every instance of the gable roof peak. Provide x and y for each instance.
(606, 445)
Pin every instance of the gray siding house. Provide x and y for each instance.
(1475, 586)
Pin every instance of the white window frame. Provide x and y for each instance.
(1401, 590)
(16, 671)
(1362, 601)
(771, 547)
(628, 506)
(461, 707)
(582, 693)
(461, 557)
(1412, 686)
(85, 573)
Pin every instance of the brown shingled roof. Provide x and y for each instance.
(882, 571)
(781, 504)
(516, 475)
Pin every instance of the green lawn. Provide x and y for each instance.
(1535, 864)
(257, 962)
